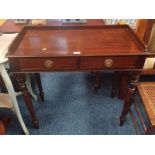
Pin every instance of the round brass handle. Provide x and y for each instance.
(108, 62)
(48, 64)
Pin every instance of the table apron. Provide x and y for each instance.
(76, 63)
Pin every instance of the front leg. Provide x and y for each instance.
(129, 96)
(23, 88)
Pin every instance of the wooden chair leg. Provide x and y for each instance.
(38, 80)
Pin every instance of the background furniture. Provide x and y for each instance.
(147, 94)
(10, 26)
(8, 100)
(146, 108)
(145, 30)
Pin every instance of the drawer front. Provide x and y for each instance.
(47, 64)
(122, 62)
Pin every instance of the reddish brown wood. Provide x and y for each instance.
(129, 96)
(123, 84)
(63, 41)
(150, 130)
(2, 128)
(23, 88)
(3, 124)
(148, 30)
(39, 64)
(144, 28)
(119, 62)
(51, 48)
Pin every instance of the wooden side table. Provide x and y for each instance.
(89, 48)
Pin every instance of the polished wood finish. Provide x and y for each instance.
(129, 95)
(9, 26)
(44, 41)
(75, 48)
(23, 88)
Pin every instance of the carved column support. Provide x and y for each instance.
(20, 78)
(128, 99)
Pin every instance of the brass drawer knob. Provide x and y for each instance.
(48, 64)
(108, 62)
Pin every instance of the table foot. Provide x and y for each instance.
(122, 120)
(35, 124)
(129, 97)
(23, 88)
(42, 96)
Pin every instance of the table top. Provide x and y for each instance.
(46, 41)
(9, 26)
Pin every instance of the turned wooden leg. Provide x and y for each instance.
(123, 85)
(126, 106)
(150, 130)
(97, 81)
(3, 124)
(114, 84)
(129, 97)
(38, 80)
(23, 88)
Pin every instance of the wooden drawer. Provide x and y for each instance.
(47, 64)
(76, 63)
(122, 62)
